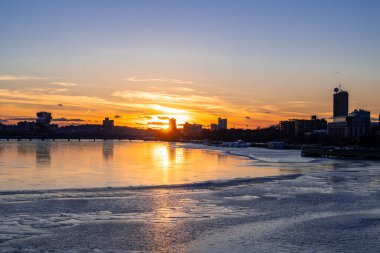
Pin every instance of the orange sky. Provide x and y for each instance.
(138, 62)
(147, 103)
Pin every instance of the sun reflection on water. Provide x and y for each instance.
(161, 156)
(61, 164)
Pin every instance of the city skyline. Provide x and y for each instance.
(217, 59)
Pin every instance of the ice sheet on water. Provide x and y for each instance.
(273, 156)
(239, 215)
(21, 226)
(258, 154)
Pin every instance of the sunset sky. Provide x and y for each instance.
(140, 62)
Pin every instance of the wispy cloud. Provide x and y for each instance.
(30, 100)
(19, 78)
(67, 120)
(23, 119)
(300, 103)
(184, 89)
(48, 90)
(64, 84)
(157, 123)
(158, 80)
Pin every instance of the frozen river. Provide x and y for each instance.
(191, 198)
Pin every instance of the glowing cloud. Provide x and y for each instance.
(64, 84)
(19, 78)
(160, 80)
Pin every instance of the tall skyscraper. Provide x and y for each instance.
(340, 102)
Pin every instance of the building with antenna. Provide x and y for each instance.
(340, 102)
(346, 125)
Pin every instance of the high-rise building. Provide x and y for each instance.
(340, 103)
(222, 123)
(172, 125)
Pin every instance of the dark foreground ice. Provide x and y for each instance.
(316, 210)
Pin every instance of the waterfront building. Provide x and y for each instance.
(172, 125)
(214, 127)
(43, 118)
(300, 127)
(358, 123)
(190, 129)
(354, 125)
(340, 102)
(25, 126)
(222, 124)
(344, 125)
(108, 125)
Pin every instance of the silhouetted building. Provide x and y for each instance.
(108, 125)
(214, 127)
(191, 129)
(43, 118)
(172, 125)
(300, 127)
(25, 126)
(353, 126)
(222, 123)
(340, 103)
(358, 123)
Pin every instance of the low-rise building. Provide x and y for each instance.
(300, 127)
(353, 126)
(214, 127)
(191, 129)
